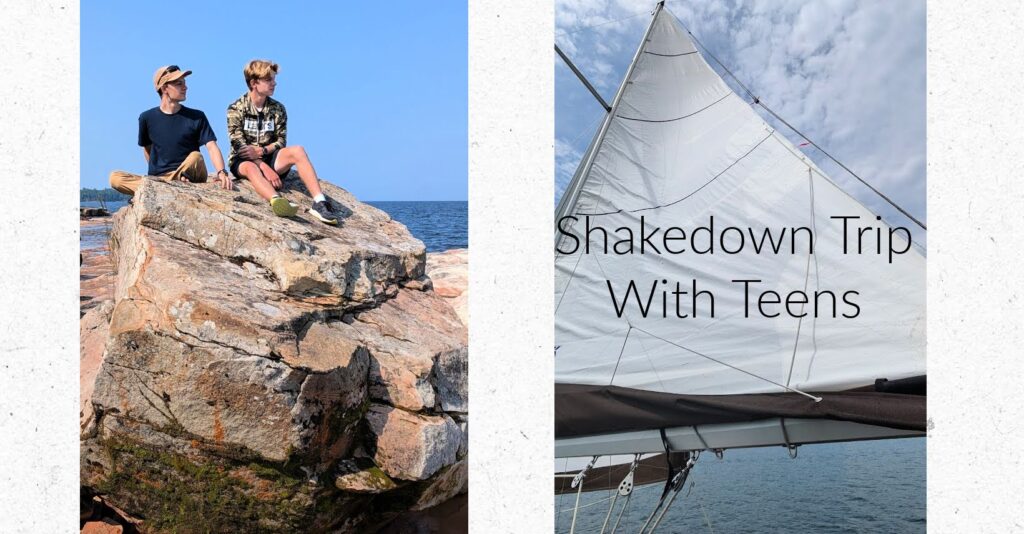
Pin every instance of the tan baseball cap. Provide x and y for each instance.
(168, 74)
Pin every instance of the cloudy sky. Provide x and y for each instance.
(850, 75)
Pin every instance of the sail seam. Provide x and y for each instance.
(694, 192)
(670, 55)
(726, 95)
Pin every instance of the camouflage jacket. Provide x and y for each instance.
(246, 126)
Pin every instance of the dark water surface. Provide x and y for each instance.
(441, 225)
(870, 486)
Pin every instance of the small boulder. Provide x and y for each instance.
(413, 446)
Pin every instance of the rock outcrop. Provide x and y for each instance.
(449, 274)
(267, 374)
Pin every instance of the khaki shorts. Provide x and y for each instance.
(193, 169)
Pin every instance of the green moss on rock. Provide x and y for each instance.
(171, 493)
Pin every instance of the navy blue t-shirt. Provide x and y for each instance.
(173, 137)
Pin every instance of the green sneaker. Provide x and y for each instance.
(283, 208)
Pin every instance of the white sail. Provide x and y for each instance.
(681, 150)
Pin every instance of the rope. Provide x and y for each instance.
(588, 505)
(700, 502)
(757, 101)
(591, 27)
(623, 349)
(787, 388)
(807, 278)
(623, 511)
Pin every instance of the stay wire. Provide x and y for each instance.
(605, 23)
(758, 101)
(744, 371)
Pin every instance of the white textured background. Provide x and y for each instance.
(511, 222)
(976, 292)
(975, 275)
(39, 278)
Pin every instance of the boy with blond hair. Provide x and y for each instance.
(257, 127)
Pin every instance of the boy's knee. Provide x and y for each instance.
(122, 182)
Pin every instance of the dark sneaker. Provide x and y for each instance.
(322, 210)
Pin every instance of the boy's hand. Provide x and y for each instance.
(249, 152)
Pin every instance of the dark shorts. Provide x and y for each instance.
(270, 159)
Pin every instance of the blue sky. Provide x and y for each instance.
(850, 75)
(376, 93)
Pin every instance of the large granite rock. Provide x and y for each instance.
(449, 275)
(250, 361)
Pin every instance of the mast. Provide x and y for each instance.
(572, 192)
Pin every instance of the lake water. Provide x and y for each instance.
(870, 486)
(441, 225)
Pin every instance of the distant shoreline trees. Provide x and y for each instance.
(106, 195)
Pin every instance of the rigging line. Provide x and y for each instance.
(572, 275)
(588, 505)
(647, 354)
(585, 130)
(591, 27)
(817, 286)
(782, 141)
(670, 55)
(700, 501)
(606, 277)
(807, 278)
(622, 511)
(758, 101)
(744, 371)
(642, 346)
(694, 192)
(613, 498)
(726, 95)
(847, 169)
(561, 497)
(623, 349)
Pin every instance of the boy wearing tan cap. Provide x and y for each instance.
(170, 135)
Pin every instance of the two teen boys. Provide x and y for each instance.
(170, 135)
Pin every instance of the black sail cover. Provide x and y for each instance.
(583, 410)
